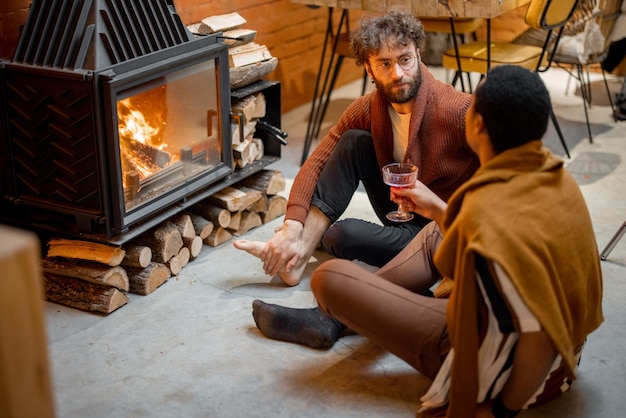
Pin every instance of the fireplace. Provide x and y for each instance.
(113, 117)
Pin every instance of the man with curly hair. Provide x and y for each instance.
(411, 117)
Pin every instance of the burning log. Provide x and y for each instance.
(147, 156)
(85, 250)
(81, 294)
(144, 281)
(88, 271)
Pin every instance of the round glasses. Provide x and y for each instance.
(385, 67)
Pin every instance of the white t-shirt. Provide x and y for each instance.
(400, 123)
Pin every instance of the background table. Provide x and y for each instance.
(426, 8)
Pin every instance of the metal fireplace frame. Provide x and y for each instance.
(100, 66)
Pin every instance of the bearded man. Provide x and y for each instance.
(411, 117)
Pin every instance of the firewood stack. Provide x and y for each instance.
(248, 61)
(247, 112)
(97, 277)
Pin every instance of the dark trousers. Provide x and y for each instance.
(352, 162)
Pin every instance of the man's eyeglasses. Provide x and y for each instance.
(406, 62)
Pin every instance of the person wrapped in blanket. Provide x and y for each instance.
(512, 261)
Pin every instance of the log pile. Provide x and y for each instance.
(246, 113)
(248, 60)
(97, 277)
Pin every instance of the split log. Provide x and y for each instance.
(276, 206)
(251, 107)
(249, 220)
(219, 215)
(194, 245)
(180, 260)
(144, 281)
(165, 242)
(260, 205)
(270, 182)
(218, 236)
(137, 256)
(85, 250)
(184, 225)
(239, 36)
(244, 151)
(242, 76)
(260, 148)
(89, 271)
(80, 294)
(234, 199)
(223, 22)
(202, 226)
(235, 220)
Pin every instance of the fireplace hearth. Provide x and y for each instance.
(113, 118)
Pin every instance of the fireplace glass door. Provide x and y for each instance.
(170, 135)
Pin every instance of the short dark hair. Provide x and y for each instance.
(391, 29)
(515, 106)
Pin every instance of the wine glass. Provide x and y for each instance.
(399, 175)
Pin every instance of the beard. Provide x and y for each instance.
(405, 94)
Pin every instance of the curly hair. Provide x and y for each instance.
(515, 106)
(392, 29)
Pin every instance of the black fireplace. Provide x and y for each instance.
(113, 118)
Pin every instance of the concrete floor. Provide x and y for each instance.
(191, 348)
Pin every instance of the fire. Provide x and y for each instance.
(141, 139)
(134, 125)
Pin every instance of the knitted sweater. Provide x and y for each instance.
(524, 211)
(436, 141)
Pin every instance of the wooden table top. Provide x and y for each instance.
(426, 8)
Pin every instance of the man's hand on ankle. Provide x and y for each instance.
(284, 250)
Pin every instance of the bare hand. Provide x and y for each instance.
(284, 249)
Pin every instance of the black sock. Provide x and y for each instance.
(310, 327)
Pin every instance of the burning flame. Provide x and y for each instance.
(134, 125)
(141, 142)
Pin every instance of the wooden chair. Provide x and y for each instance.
(548, 15)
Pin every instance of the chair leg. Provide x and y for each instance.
(585, 92)
(608, 93)
(611, 244)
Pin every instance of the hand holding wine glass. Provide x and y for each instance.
(399, 175)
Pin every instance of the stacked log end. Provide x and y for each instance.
(97, 277)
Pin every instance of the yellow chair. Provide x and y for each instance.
(456, 29)
(479, 56)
